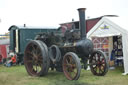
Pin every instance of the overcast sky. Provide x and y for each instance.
(50, 13)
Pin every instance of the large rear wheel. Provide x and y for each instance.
(36, 58)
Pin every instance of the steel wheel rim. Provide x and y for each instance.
(70, 67)
(33, 59)
(98, 64)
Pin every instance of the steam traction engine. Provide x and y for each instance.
(64, 52)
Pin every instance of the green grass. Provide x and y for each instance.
(17, 75)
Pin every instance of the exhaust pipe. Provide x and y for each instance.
(82, 23)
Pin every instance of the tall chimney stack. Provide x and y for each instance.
(82, 22)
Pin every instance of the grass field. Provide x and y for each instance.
(17, 75)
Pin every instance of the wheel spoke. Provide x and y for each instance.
(39, 54)
(103, 66)
(94, 63)
(101, 70)
(70, 60)
(29, 53)
(33, 47)
(95, 68)
(67, 61)
(29, 61)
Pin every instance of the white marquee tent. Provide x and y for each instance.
(107, 28)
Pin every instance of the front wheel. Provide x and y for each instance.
(71, 66)
(98, 63)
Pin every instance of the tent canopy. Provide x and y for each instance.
(107, 28)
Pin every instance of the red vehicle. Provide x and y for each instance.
(4, 49)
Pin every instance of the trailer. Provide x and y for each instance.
(20, 36)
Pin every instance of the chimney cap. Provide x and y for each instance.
(81, 9)
(24, 25)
